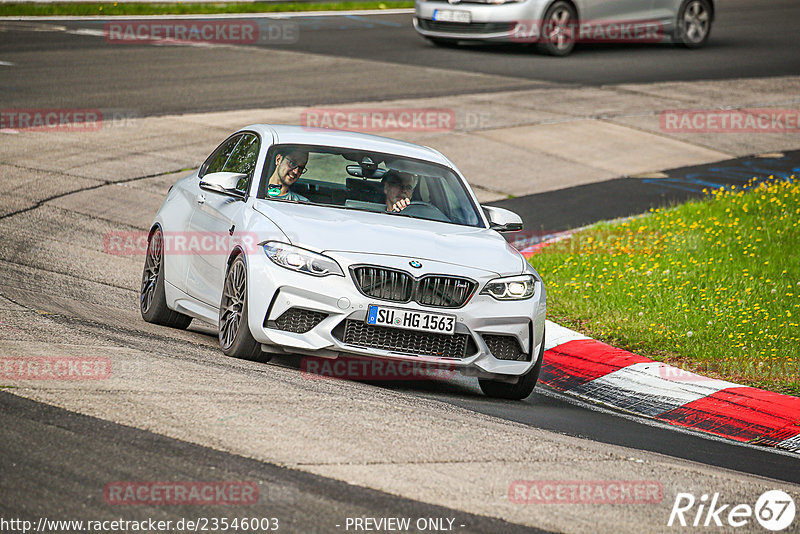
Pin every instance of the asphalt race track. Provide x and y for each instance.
(747, 41)
(55, 462)
(303, 502)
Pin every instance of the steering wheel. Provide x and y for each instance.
(424, 210)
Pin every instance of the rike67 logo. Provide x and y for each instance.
(774, 510)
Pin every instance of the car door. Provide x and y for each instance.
(594, 11)
(175, 217)
(212, 228)
(666, 11)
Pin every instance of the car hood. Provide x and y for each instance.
(325, 229)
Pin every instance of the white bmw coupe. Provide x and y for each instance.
(329, 243)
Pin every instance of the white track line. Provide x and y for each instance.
(645, 388)
(556, 335)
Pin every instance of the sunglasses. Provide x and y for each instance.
(294, 165)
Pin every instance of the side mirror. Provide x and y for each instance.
(502, 220)
(225, 183)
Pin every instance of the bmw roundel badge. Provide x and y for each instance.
(415, 264)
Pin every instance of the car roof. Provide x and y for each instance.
(301, 135)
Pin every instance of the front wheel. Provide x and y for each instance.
(235, 338)
(558, 29)
(152, 299)
(693, 27)
(521, 390)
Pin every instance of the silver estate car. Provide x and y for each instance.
(337, 244)
(556, 25)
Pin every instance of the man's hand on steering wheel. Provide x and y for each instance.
(400, 205)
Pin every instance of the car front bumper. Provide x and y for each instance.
(488, 22)
(332, 313)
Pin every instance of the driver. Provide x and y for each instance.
(398, 186)
(289, 166)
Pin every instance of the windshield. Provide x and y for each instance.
(367, 181)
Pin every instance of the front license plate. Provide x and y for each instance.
(449, 15)
(411, 320)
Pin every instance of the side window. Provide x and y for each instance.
(243, 159)
(220, 156)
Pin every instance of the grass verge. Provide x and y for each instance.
(114, 8)
(710, 286)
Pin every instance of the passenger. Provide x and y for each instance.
(289, 166)
(398, 187)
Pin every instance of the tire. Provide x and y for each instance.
(521, 390)
(693, 26)
(558, 27)
(152, 300)
(235, 338)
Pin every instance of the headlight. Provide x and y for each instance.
(519, 287)
(301, 260)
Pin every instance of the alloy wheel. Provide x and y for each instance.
(696, 20)
(233, 297)
(559, 30)
(152, 267)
